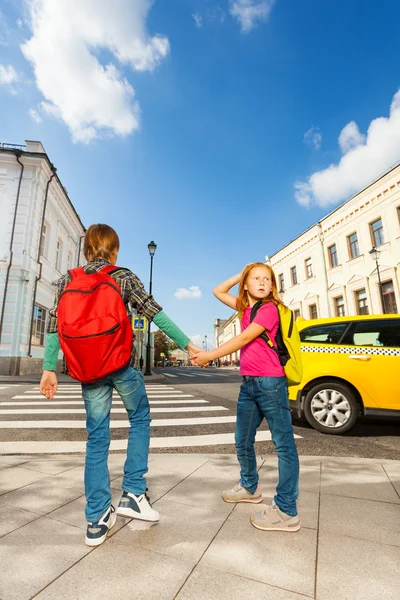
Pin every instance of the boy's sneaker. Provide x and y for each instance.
(137, 507)
(240, 494)
(273, 519)
(97, 531)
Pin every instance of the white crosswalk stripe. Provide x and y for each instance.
(27, 409)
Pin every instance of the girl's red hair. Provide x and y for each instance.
(243, 301)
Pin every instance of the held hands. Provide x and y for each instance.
(201, 359)
(193, 352)
(48, 384)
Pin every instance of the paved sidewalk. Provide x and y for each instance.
(202, 549)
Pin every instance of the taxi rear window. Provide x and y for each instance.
(331, 333)
(384, 332)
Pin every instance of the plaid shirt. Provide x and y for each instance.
(132, 290)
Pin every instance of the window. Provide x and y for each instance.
(39, 325)
(313, 311)
(331, 333)
(389, 298)
(339, 306)
(59, 249)
(378, 239)
(43, 240)
(383, 332)
(70, 259)
(352, 241)
(333, 257)
(281, 283)
(398, 213)
(309, 269)
(296, 314)
(362, 302)
(293, 274)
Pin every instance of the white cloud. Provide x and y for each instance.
(67, 37)
(198, 19)
(313, 138)
(185, 293)
(35, 115)
(249, 12)
(19, 23)
(198, 340)
(365, 158)
(8, 75)
(350, 137)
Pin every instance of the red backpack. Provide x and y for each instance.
(93, 326)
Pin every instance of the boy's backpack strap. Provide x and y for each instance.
(77, 272)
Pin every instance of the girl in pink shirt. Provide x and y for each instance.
(263, 394)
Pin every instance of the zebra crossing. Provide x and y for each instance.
(190, 421)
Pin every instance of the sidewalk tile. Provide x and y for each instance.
(34, 555)
(364, 519)
(12, 518)
(73, 513)
(52, 467)
(201, 492)
(209, 584)
(17, 477)
(393, 472)
(183, 532)
(45, 495)
(307, 506)
(115, 572)
(358, 484)
(309, 481)
(360, 466)
(351, 569)
(285, 560)
(182, 463)
(12, 461)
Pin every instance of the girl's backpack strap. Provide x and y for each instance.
(77, 272)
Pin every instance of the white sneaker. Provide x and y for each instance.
(137, 507)
(97, 531)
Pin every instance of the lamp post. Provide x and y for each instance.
(374, 253)
(152, 249)
(205, 337)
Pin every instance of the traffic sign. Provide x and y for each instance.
(139, 324)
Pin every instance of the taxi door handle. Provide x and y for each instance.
(360, 357)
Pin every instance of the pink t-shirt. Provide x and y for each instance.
(256, 358)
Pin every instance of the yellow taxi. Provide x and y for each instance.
(351, 370)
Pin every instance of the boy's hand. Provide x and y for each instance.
(201, 359)
(193, 351)
(48, 384)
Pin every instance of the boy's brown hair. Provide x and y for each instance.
(100, 242)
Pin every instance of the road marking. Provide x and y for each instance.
(170, 375)
(80, 411)
(113, 424)
(155, 442)
(72, 396)
(186, 375)
(77, 403)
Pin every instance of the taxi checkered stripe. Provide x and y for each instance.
(347, 350)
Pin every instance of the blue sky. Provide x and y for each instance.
(221, 155)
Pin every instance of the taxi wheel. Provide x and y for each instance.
(331, 407)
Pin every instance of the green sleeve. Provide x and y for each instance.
(51, 352)
(164, 323)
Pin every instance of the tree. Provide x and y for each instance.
(161, 345)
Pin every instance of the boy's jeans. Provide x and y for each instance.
(267, 397)
(129, 384)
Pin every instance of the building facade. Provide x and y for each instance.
(329, 270)
(40, 239)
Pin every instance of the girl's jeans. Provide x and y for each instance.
(267, 397)
(97, 396)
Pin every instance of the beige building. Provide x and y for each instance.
(329, 270)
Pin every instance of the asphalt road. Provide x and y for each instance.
(193, 410)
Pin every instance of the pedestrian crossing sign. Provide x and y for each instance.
(139, 324)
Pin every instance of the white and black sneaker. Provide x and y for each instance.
(137, 507)
(97, 531)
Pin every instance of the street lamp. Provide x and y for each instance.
(152, 250)
(374, 253)
(205, 337)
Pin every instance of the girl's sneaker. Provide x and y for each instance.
(273, 519)
(240, 494)
(137, 507)
(97, 531)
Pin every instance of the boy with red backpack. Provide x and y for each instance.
(90, 319)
